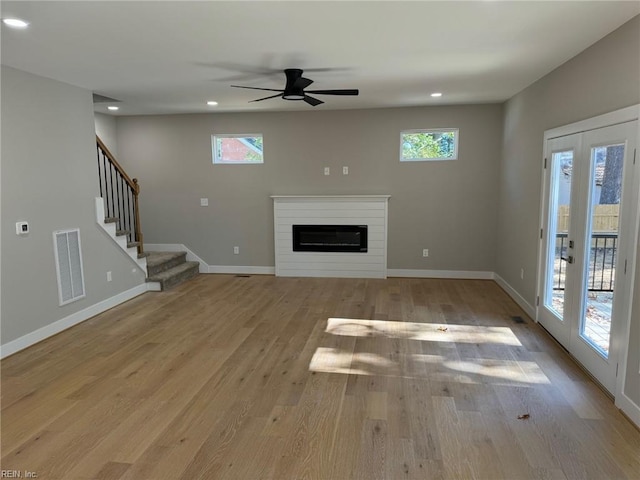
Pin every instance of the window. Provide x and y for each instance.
(429, 145)
(238, 149)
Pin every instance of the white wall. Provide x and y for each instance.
(49, 178)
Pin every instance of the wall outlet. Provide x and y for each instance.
(345, 170)
(236, 250)
(204, 202)
(22, 228)
(425, 252)
(522, 273)
(109, 276)
(327, 171)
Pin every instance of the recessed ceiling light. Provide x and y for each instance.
(15, 23)
(113, 107)
(212, 103)
(436, 94)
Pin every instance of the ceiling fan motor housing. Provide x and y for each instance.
(294, 89)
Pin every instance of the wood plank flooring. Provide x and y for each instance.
(261, 377)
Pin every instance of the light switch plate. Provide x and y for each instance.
(327, 171)
(204, 202)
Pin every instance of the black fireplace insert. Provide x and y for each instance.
(330, 238)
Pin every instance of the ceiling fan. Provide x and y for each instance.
(295, 89)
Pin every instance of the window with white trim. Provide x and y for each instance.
(429, 145)
(237, 149)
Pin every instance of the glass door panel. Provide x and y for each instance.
(558, 253)
(601, 245)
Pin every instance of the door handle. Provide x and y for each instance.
(569, 259)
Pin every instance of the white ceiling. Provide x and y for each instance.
(173, 56)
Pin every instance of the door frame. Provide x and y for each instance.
(623, 115)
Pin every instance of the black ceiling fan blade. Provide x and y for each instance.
(266, 98)
(312, 101)
(353, 91)
(302, 83)
(256, 88)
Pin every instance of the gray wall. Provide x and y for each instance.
(106, 130)
(448, 207)
(603, 78)
(49, 179)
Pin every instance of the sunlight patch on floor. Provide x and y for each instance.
(429, 332)
(409, 361)
(432, 367)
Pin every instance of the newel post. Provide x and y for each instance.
(138, 229)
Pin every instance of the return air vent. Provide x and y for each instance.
(69, 265)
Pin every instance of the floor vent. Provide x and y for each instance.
(518, 319)
(69, 265)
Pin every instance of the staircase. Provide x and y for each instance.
(118, 214)
(170, 268)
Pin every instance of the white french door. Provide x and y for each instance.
(590, 201)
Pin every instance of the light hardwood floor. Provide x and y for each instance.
(280, 378)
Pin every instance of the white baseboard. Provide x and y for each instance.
(516, 297)
(461, 274)
(242, 269)
(629, 407)
(75, 318)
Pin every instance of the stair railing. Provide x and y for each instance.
(120, 194)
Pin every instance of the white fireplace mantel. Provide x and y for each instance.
(370, 210)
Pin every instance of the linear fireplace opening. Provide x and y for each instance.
(330, 238)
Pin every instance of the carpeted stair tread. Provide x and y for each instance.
(175, 275)
(160, 261)
(173, 271)
(157, 258)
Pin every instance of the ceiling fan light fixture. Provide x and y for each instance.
(436, 94)
(293, 96)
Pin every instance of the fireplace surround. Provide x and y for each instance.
(330, 235)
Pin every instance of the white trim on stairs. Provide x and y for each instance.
(110, 229)
(54, 328)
